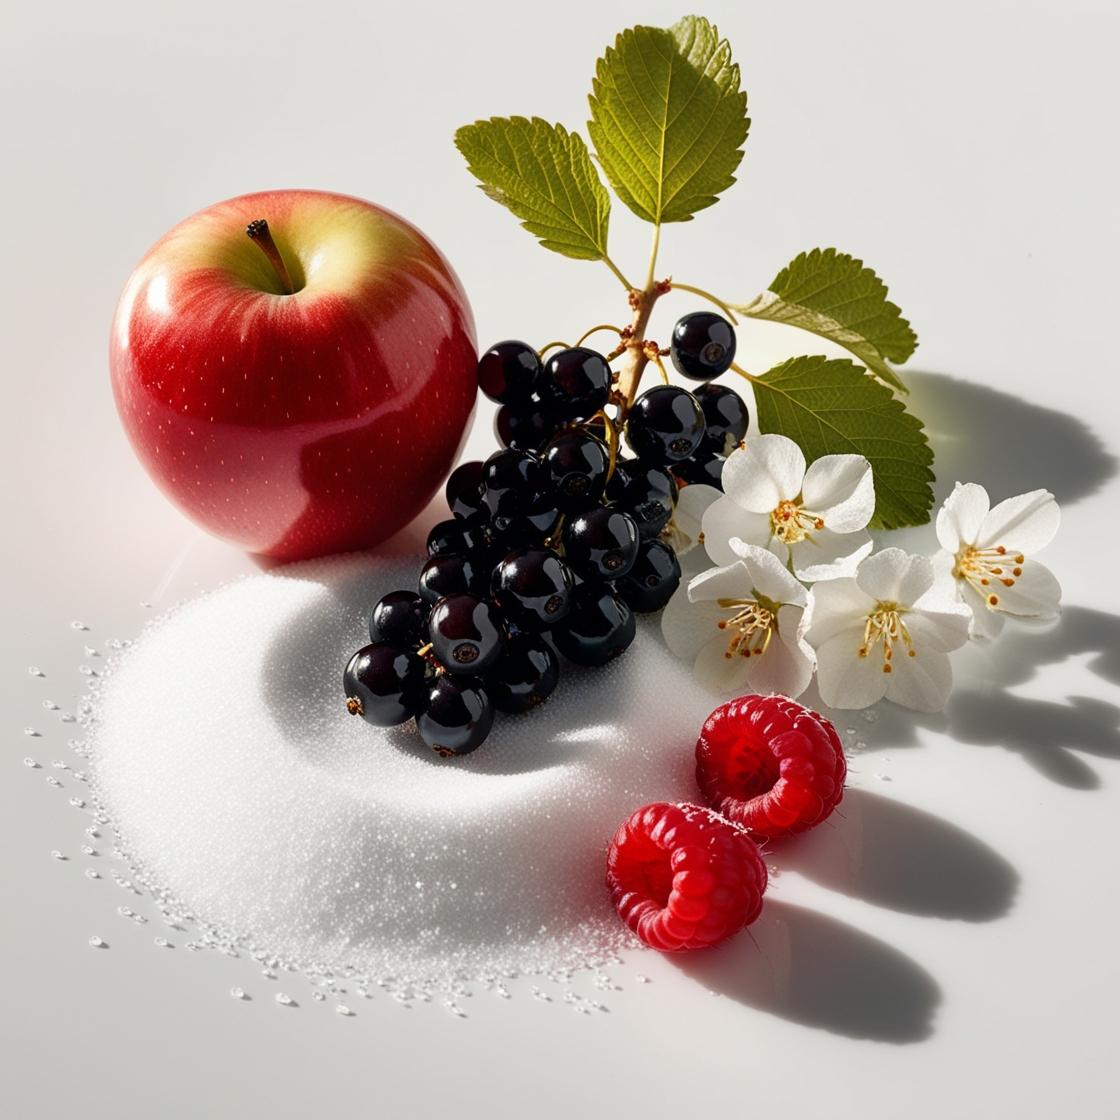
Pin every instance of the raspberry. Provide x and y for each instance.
(682, 877)
(770, 765)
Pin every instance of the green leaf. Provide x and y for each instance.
(831, 407)
(835, 296)
(668, 118)
(544, 174)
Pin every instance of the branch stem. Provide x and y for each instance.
(709, 297)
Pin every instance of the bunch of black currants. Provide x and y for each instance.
(554, 542)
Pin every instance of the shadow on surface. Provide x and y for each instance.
(819, 972)
(1048, 734)
(893, 855)
(1005, 443)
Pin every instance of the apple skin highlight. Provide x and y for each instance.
(295, 425)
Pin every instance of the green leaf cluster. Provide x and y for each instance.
(668, 121)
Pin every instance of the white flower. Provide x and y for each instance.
(887, 632)
(684, 533)
(986, 555)
(814, 520)
(741, 625)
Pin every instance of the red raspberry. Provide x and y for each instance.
(770, 765)
(682, 877)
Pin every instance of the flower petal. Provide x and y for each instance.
(895, 576)
(1022, 524)
(838, 605)
(724, 519)
(732, 581)
(987, 624)
(922, 683)
(687, 626)
(1035, 594)
(769, 576)
(769, 469)
(841, 488)
(961, 515)
(784, 667)
(825, 555)
(845, 679)
(940, 630)
(689, 513)
(726, 675)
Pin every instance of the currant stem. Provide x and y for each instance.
(615, 269)
(742, 372)
(545, 349)
(601, 327)
(653, 255)
(258, 232)
(708, 296)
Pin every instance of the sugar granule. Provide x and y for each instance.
(241, 788)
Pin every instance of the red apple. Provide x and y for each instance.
(301, 391)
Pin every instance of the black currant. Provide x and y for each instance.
(508, 372)
(384, 685)
(576, 383)
(524, 427)
(450, 573)
(703, 345)
(705, 466)
(725, 416)
(457, 534)
(650, 583)
(457, 715)
(512, 482)
(525, 675)
(648, 495)
(464, 489)
(665, 425)
(577, 468)
(466, 633)
(532, 526)
(601, 543)
(400, 619)
(599, 627)
(533, 586)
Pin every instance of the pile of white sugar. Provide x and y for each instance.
(241, 788)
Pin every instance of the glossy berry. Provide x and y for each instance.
(601, 543)
(508, 372)
(576, 383)
(401, 619)
(457, 534)
(705, 467)
(726, 417)
(384, 685)
(525, 676)
(599, 627)
(770, 764)
(464, 489)
(683, 878)
(665, 425)
(703, 345)
(650, 583)
(466, 634)
(449, 574)
(457, 716)
(577, 464)
(533, 586)
(648, 494)
(512, 481)
(524, 427)
(531, 526)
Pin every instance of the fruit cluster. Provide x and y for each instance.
(554, 542)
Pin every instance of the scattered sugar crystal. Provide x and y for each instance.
(53, 781)
(284, 999)
(29, 761)
(35, 671)
(251, 797)
(236, 993)
(92, 873)
(50, 705)
(31, 733)
(163, 943)
(59, 764)
(98, 943)
(77, 802)
(77, 625)
(56, 854)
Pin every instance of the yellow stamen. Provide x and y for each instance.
(790, 523)
(978, 566)
(885, 624)
(752, 625)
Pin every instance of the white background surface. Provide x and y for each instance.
(950, 949)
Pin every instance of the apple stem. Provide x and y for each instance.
(259, 234)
